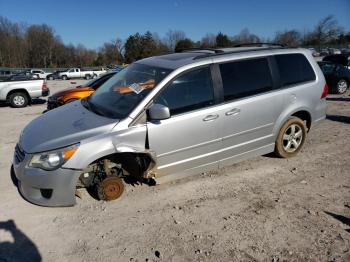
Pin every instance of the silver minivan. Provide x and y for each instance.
(171, 116)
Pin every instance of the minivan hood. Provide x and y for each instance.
(63, 126)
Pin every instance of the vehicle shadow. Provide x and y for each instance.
(343, 219)
(338, 118)
(340, 99)
(21, 249)
(35, 101)
(38, 101)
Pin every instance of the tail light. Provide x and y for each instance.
(44, 86)
(325, 91)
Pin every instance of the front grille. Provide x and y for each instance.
(19, 154)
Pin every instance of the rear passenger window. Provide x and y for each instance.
(190, 91)
(294, 69)
(245, 78)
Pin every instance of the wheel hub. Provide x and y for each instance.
(18, 100)
(292, 138)
(111, 188)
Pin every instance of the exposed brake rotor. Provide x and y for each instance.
(110, 188)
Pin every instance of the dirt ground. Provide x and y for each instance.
(264, 209)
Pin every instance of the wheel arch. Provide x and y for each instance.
(301, 112)
(305, 116)
(133, 162)
(19, 90)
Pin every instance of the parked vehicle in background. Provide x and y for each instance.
(334, 51)
(345, 51)
(80, 92)
(38, 72)
(324, 52)
(22, 76)
(339, 59)
(98, 72)
(4, 74)
(20, 92)
(76, 73)
(171, 116)
(314, 52)
(54, 75)
(337, 77)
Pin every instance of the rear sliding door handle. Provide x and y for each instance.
(210, 117)
(233, 112)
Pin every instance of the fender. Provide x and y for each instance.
(289, 111)
(131, 140)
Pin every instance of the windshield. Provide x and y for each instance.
(123, 92)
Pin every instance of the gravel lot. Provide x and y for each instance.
(264, 209)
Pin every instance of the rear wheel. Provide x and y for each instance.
(64, 77)
(18, 100)
(342, 86)
(50, 77)
(291, 138)
(87, 77)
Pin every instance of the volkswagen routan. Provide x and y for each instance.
(171, 116)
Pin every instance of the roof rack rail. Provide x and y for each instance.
(262, 44)
(216, 51)
(237, 51)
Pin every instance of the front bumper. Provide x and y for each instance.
(45, 188)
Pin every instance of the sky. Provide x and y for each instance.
(93, 22)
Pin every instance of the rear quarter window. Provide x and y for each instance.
(294, 69)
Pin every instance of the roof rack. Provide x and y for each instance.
(214, 50)
(261, 44)
(237, 51)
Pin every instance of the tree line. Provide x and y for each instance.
(39, 46)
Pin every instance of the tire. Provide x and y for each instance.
(18, 100)
(87, 77)
(51, 78)
(64, 77)
(291, 138)
(94, 76)
(341, 86)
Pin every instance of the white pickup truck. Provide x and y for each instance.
(38, 73)
(21, 93)
(80, 73)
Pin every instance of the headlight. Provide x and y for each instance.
(53, 159)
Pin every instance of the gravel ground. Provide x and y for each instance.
(264, 209)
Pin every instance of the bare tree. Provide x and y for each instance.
(209, 40)
(326, 30)
(173, 37)
(245, 37)
(290, 38)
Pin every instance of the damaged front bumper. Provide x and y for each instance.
(45, 188)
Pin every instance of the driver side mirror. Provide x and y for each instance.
(158, 112)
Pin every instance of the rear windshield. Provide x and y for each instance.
(294, 69)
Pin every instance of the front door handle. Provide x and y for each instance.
(210, 117)
(233, 112)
